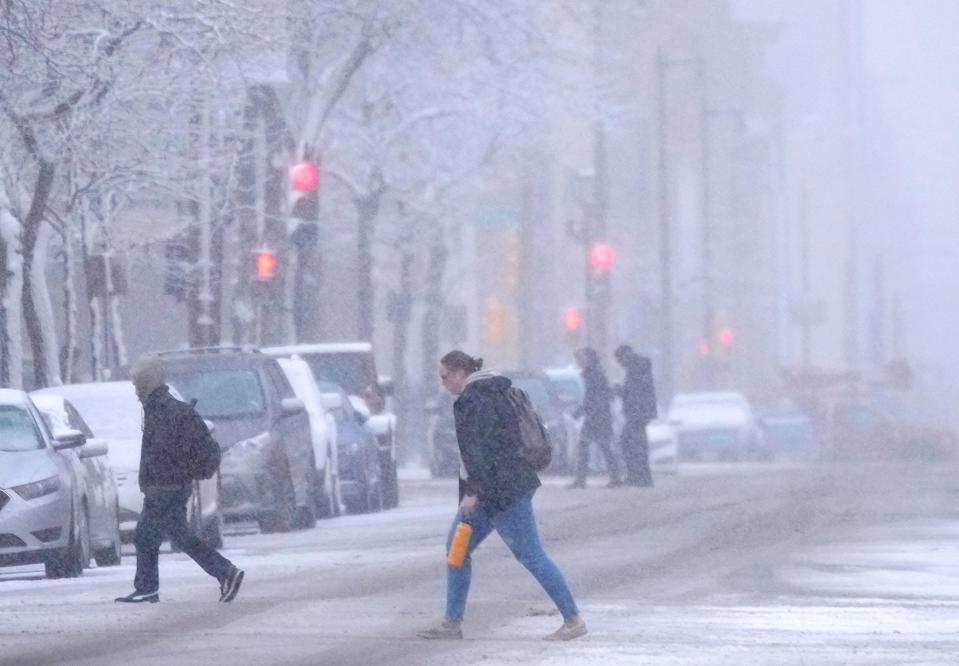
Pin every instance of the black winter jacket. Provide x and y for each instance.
(168, 426)
(487, 432)
(596, 409)
(638, 391)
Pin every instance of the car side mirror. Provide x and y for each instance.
(69, 439)
(292, 406)
(93, 449)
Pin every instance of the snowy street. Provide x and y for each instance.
(720, 565)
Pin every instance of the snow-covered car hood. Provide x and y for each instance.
(20, 467)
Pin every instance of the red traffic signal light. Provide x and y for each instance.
(304, 176)
(265, 265)
(704, 349)
(602, 257)
(726, 337)
(572, 319)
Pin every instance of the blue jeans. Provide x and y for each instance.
(516, 525)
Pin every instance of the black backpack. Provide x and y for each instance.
(203, 452)
(536, 449)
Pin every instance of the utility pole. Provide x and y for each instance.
(663, 63)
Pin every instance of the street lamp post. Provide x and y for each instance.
(663, 63)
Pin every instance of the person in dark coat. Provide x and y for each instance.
(597, 414)
(638, 393)
(496, 493)
(166, 486)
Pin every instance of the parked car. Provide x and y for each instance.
(550, 407)
(352, 366)
(663, 447)
(358, 460)
(716, 426)
(46, 513)
(268, 472)
(113, 412)
(99, 486)
(444, 451)
(323, 431)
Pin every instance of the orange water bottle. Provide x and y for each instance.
(460, 544)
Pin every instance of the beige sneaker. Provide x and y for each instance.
(447, 629)
(571, 629)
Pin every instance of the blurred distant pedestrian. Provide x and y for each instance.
(496, 493)
(638, 393)
(597, 414)
(169, 427)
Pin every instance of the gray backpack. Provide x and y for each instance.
(535, 448)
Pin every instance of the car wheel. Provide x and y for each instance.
(280, 519)
(110, 556)
(70, 562)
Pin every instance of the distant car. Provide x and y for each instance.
(663, 447)
(542, 393)
(352, 366)
(46, 513)
(358, 453)
(100, 488)
(790, 437)
(716, 426)
(268, 473)
(323, 431)
(114, 413)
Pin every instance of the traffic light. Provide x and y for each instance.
(572, 319)
(602, 257)
(304, 202)
(304, 176)
(726, 337)
(265, 265)
(704, 348)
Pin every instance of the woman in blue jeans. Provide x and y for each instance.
(496, 493)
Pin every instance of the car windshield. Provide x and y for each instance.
(18, 432)
(537, 390)
(349, 370)
(222, 394)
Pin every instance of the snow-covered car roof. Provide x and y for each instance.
(13, 397)
(319, 348)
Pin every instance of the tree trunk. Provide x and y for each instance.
(44, 306)
(31, 228)
(367, 208)
(435, 302)
(11, 344)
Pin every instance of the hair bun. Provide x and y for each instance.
(478, 362)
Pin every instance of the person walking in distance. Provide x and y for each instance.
(496, 493)
(639, 408)
(166, 484)
(597, 419)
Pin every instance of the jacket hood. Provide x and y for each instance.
(487, 380)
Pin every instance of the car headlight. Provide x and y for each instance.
(29, 491)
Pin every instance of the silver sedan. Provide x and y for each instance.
(42, 513)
